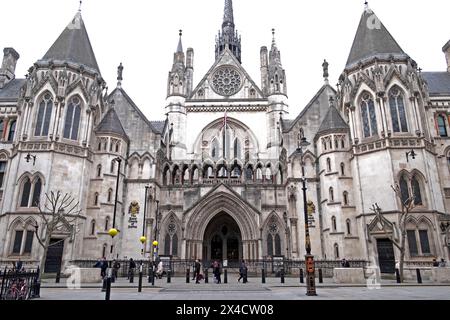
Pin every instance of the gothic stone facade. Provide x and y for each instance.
(224, 171)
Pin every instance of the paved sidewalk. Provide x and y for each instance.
(254, 284)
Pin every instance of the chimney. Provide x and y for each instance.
(7, 71)
(446, 50)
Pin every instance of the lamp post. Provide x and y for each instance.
(155, 241)
(143, 239)
(113, 231)
(309, 258)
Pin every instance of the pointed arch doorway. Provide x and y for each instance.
(222, 240)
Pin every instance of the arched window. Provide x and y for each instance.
(99, 147)
(166, 176)
(404, 191)
(167, 245)
(22, 242)
(331, 194)
(249, 173)
(113, 165)
(369, 118)
(252, 93)
(236, 172)
(2, 172)
(210, 172)
(31, 193)
(215, 149)
(110, 195)
(328, 164)
(25, 193)
(349, 226)
(237, 149)
(268, 174)
(72, 121)
(117, 146)
(226, 142)
(277, 245)
(442, 125)
(107, 224)
(269, 245)
(44, 115)
(336, 251)
(104, 250)
(175, 245)
(345, 196)
(343, 143)
(12, 130)
(259, 173)
(99, 170)
(195, 175)
(342, 169)
(398, 112)
(417, 194)
(333, 223)
(92, 227)
(96, 199)
(36, 193)
(2, 127)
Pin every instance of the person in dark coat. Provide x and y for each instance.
(243, 272)
(104, 267)
(216, 271)
(197, 271)
(131, 268)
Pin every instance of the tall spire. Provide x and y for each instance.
(228, 37)
(228, 13)
(180, 44)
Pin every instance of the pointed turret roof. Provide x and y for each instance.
(372, 39)
(111, 124)
(180, 44)
(73, 45)
(332, 122)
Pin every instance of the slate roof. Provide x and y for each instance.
(158, 126)
(73, 45)
(372, 39)
(11, 91)
(332, 122)
(438, 83)
(111, 124)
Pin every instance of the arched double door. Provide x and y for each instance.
(222, 240)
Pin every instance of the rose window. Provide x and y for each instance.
(226, 81)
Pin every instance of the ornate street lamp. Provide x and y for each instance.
(309, 258)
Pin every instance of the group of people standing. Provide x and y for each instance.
(217, 272)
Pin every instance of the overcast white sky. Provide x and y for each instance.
(143, 35)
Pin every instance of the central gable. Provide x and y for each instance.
(226, 80)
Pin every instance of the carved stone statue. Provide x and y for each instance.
(325, 69)
(119, 72)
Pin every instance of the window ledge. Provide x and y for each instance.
(335, 233)
(331, 173)
(333, 203)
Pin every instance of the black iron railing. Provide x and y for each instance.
(19, 285)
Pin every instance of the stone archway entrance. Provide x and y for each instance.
(222, 240)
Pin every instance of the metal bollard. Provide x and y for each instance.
(58, 276)
(397, 275)
(320, 276)
(108, 289)
(419, 277)
(263, 276)
(104, 284)
(225, 276)
(282, 275)
(188, 275)
(301, 276)
(168, 276)
(140, 282)
(206, 275)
